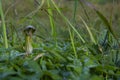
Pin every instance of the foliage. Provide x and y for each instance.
(68, 44)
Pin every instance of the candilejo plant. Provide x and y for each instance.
(29, 30)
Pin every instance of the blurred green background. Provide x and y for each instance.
(18, 14)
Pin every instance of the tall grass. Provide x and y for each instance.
(69, 23)
(52, 24)
(71, 32)
(3, 26)
(106, 22)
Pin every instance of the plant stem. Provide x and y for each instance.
(28, 42)
(3, 26)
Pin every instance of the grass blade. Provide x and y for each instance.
(52, 24)
(72, 41)
(89, 31)
(3, 26)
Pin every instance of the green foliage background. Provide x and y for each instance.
(73, 40)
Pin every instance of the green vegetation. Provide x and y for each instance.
(70, 40)
(3, 26)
